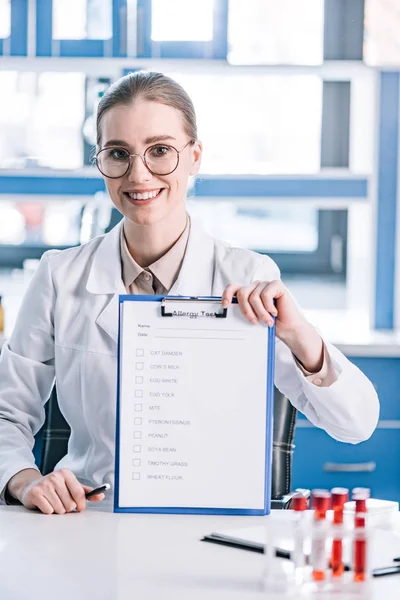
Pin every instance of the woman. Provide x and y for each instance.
(147, 148)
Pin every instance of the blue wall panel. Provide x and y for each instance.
(290, 187)
(387, 200)
(44, 27)
(19, 28)
(206, 187)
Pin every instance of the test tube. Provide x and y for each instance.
(360, 496)
(299, 504)
(321, 500)
(339, 497)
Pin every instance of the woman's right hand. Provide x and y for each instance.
(58, 492)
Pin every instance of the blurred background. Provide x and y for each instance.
(297, 105)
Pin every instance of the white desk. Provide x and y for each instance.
(105, 556)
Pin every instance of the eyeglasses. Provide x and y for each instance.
(161, 159)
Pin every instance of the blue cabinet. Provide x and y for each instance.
(322, 462)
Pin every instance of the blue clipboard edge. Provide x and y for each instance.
(268, 427)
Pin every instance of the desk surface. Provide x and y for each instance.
(104, 556)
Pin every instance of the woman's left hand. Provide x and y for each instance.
(257, 304)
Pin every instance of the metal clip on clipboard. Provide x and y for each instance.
(188, 299)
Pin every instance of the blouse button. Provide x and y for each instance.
(317, 381)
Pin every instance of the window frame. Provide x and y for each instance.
(217, 48)
(47, 46)
(16, 44)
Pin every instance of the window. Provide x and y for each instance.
(82, 19)
(301, 238)
(41, 117)
(257, 124)
(31, 225)
(381, 38)
(5, 18)
(39, 222)
(259, 224)
(182, 20)
(276, 32)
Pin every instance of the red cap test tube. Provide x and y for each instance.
(339, 497)
(360, 496)
(321, 501)
(299, 503)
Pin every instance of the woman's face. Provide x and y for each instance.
(135, 128)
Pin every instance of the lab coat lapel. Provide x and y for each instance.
(195, 279)
(105, 278)
(197, 272)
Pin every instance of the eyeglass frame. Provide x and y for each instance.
(143, 157)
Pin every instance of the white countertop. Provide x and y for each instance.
(351, 332)
(108, 556)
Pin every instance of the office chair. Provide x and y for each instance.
(56, 433)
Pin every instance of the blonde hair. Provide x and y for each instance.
(152, 86)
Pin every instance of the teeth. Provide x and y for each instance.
(144, 196)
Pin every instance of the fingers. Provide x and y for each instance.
(242, 293)
(261, 305)
(96, 497)
(59, 492)
(256, 300)
(228, 294)
(38, 500)
(75, 489)
(58, 500)
(262, 301)
(45, 498)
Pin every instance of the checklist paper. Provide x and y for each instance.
(194, 414)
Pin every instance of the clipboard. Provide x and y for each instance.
(184, 452)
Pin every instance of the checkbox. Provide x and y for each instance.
(137, 421)
(137, 448)
(138, 393)
(137, 435)
(139, 352)
(138, 380)
(139, 366)
(136, 462)
(135, 476)
(138, 407)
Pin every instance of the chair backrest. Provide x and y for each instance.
(56, 432)
(282, 450)
(56, 435)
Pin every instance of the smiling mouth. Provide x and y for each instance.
(144, 195)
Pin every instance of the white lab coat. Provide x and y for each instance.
(67, 330)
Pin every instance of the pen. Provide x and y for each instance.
(251, 546)
(386, 571)
(98, 490)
